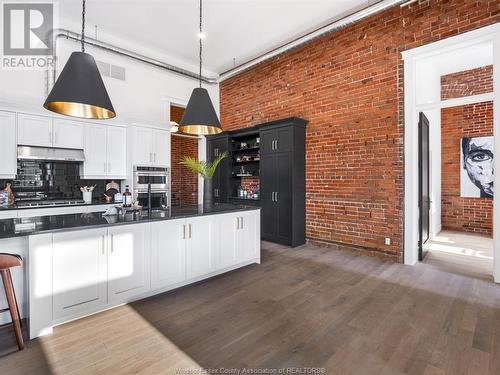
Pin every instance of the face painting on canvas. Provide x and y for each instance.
(477, 167)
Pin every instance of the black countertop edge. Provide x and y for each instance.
(94, 203)
(21, 227)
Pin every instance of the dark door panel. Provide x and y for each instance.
(284, 196)
(267, 189)
(424, 186)
(267, 137)
(284, 139)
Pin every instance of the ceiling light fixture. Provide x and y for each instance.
(79, 90)
(200, 117)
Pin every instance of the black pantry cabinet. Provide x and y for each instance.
(272, 157)
(217, 145)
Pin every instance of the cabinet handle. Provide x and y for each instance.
(276, 146)
(242, 222)
(237, 223)
(272, 196)
(50, 137)
(112, 244)
(183, 231)
(154, 157)
(276, 196)
(272, 145)
(103, 244)
(189, 230)
(55, 137)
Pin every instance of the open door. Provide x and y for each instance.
(423, 184)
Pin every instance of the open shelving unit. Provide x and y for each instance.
(245, 168)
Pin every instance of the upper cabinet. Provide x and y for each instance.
(68, 134)
(150, 147)
(34, 130)
(105, 152)
(8, 152)
(44, 131)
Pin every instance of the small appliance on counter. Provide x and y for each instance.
(112, 193)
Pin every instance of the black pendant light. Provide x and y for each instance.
(200, 117)
(79, 91)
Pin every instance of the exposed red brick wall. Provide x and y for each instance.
(349, 85)
(457, 213)
(183, 181)
(467, 83)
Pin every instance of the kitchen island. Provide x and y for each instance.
(80, 264)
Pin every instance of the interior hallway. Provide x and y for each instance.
(462, 253)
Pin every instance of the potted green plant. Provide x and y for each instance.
(205, 170)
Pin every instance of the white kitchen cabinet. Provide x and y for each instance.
(33, 212)
(116, 152)
(248, 236)
(161, 148)
(238, 238)
(129, 272)
(8, 145)
(34, 130)
(151, 147)
(227, 241)
(95, 151)
(68, 134)
(168, 253)
(143, 148)
(44, 131)
(79, 272)
(200, 246)
(105, 152)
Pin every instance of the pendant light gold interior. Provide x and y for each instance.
(80, 110)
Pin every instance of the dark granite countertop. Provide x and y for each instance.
(60, 223)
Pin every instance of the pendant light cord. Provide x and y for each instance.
(200, 36)
(83, 25)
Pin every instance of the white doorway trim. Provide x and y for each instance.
(488, 34)
(202, 141)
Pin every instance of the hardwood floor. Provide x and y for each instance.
(304, 307)
(468, 254)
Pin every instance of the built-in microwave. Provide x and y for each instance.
(158, 177)
(159, 199)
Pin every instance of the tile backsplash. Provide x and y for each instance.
(53, 180)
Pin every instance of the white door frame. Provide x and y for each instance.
(202, 140)
(486, 34)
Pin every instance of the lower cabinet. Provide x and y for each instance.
(76, 273)
(200, 247)
(79, 272)
(168, 253)
(129, 259)
(238, 238)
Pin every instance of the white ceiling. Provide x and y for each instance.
(235, 29)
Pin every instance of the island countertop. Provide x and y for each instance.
(60, 223)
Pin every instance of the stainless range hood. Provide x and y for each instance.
(49, 154)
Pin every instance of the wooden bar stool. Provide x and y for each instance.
(8, 261)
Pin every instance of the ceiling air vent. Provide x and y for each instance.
(112, 71)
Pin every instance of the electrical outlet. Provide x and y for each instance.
(387, 241)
